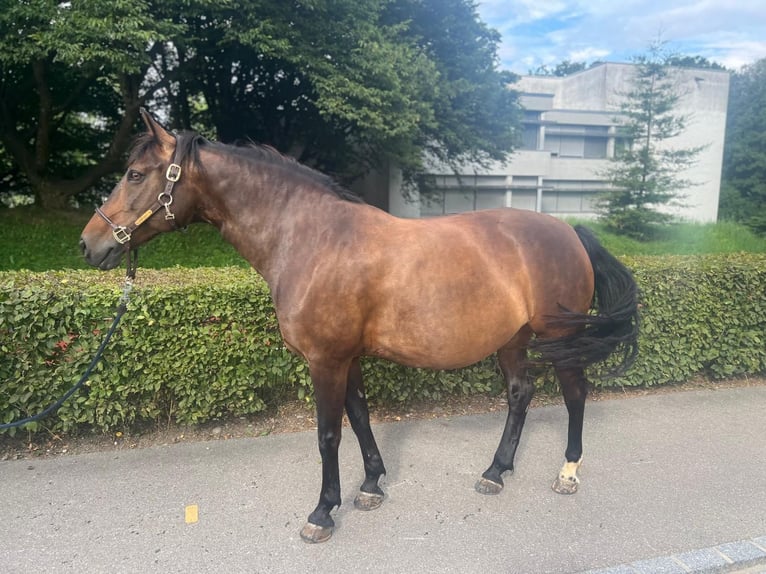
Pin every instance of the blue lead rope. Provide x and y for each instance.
(121, 308)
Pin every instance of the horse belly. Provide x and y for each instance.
(447, 335)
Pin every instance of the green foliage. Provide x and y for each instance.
(644, 177)
(743, 194)
(343, 85)
(71, 80)
(698, 62)
(562, 69)
(198, 345)
(41, 240)
(569, 67)
(346, 85)
(194, 346)
(83, 34)
(683, 239)
(475, 112)
(703, 315)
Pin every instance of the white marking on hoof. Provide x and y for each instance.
(567, 481)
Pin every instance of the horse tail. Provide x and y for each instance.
(611, 328)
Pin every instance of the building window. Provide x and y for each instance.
(529, 136)
(530, 130)
(524, 199)
(595, 147)
(452, 194)
(489, 199)
(570, 197)
(568, 202)
(524, 192)
(577, 141)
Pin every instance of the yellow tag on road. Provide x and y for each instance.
(192, 514)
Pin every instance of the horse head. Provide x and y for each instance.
(153, 196)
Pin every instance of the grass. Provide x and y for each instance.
(39, 241)
(686, 239)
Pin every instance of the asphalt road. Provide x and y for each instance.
(664, 475)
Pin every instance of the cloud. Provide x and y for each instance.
(734, 54)
(536, 33)
(520, 12)
(588, 54)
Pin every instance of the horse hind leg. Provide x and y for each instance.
(370, 494)
(574, 388)
(520, 390)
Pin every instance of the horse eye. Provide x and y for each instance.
(135, 176)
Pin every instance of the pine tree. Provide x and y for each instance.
(643, 176)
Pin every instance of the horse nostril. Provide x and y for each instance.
(82, 246)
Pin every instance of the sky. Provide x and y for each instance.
(546, 32)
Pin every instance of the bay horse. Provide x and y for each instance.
(350, 280)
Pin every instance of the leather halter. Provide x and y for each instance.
(123, 233)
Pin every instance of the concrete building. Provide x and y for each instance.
(569, 133)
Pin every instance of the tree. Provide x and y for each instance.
(475, 111)
(644, 176)
(72, 78)
(341, 84)
(699, 62)
(348, 84)
(743, 193)
(563, 68)
(325, 82)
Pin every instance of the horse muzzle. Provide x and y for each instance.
(105, 256)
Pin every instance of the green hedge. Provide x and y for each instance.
(701, 315)
(202, 344)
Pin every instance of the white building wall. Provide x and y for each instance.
(592, 98)
(705, 102)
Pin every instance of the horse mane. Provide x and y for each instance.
(190, 142)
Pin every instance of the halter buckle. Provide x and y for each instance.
(173, 173)
(121, 234)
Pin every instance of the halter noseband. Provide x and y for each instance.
(123, 233)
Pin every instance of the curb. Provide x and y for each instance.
(729, 557)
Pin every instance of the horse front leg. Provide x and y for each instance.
(575, 390)
(370, 494)
(329, 391)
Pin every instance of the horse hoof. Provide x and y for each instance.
(485, 486)
(313, 534)
(368, 501)
(566, 485)
(567, 481)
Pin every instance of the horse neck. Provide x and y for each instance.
(268, 213)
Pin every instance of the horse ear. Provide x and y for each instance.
(166, 140)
